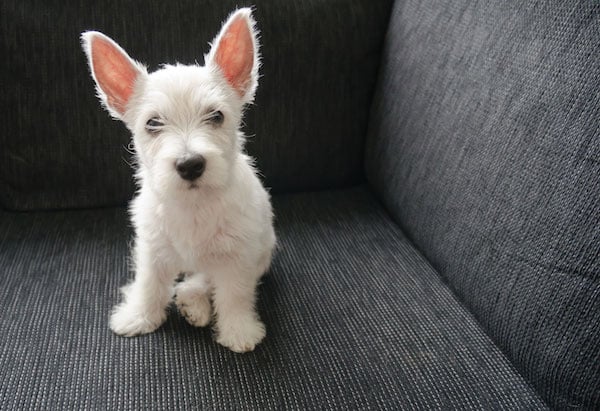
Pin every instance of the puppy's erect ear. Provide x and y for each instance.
(235, 53)
(114, 72)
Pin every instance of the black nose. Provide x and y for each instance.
(190, 168)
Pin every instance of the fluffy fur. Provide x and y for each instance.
(217, 228)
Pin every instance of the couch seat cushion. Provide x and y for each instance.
(356, 319)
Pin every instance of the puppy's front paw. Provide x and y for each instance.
(241, 335)
(130, 321)
(194, 306)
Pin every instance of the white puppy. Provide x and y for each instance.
(200, 208)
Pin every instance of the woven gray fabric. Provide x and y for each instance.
(307, 126)
(356, 319)
(485, 147)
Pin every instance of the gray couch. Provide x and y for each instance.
(435, 170)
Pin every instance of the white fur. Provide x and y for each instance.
(217, 229)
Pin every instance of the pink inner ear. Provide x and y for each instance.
(235, 54)
(114, 73)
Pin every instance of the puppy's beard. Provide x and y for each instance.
(159, 159)
(168, 184)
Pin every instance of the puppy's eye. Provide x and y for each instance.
(216, 118)
(154, 125)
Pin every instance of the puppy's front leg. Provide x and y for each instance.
(238, 325)
(143, 308)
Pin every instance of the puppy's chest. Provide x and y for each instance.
(200, 235)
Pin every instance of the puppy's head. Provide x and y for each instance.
(184, 119)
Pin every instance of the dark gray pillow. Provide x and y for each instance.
(307, 127)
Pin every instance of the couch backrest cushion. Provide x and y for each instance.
(484, 144)
(307, 126)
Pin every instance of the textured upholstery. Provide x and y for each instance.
(307, 127)
(356, 317)
(485, 147)
(475, 285)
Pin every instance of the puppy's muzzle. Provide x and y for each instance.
(190, 168)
